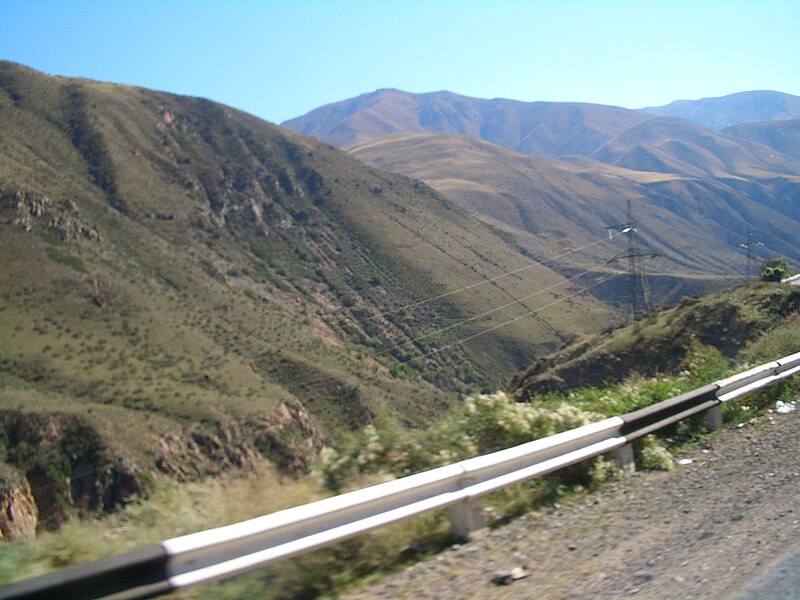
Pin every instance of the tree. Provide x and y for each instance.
(774, 269)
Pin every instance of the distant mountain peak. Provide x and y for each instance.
(547, 128)
(733, 109)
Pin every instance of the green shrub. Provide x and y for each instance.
(774, 269)
(486, 423)
(650, 454)
(703, 364)
(775, 343)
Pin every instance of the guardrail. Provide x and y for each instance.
(226, 551)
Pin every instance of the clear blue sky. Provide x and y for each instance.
(279, 59)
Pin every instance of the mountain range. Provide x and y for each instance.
(734, 109)
(564, 171)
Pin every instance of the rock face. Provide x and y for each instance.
(286, 437)
(18, 514)
(65, 469)
(60, 467)
(61, 216)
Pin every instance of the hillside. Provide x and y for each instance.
(696, 190)
(783, 136)
(187, 288)
(547, 202)
(742, 107)
(670, 145)
(730, 323)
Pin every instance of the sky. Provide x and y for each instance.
(280, 59)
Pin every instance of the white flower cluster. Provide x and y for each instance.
(488, 422)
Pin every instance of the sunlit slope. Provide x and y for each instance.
(754, 323)
(171, 255)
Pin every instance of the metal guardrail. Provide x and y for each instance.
(220, 553)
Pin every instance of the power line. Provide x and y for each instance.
(478, 316)
(483, 281)
(751, 247)
(529, 313)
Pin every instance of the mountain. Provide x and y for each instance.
(783, 136)
(696, 191)
(548, 203)
(743, 107)
(186, 288)
(547, 128)
(671, 145)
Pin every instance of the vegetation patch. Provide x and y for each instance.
(73, 262)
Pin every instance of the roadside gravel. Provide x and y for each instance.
(708, 529)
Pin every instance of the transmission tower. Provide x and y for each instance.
(749, 245)
(637, 277)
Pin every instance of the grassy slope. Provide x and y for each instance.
(727, 322)
(236, 266)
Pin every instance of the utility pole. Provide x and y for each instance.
(636, 272)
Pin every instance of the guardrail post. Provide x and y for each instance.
(713, 418)
(623, 457)
(466, 518)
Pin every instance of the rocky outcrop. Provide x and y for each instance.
(68, 467)
(61, 467)
(188, 455)
(286, 437)
(62, 217)
(18, 514)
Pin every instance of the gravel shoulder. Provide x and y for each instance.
(708, 529)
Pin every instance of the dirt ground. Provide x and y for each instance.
(705, 530)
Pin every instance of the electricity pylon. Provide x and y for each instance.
(749, 246)
(637, 277)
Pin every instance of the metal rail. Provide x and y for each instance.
(225, 551)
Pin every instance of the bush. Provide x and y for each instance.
(486, 423)
(703, 364)
(649, 454)
(775, 343)
(774, 269)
